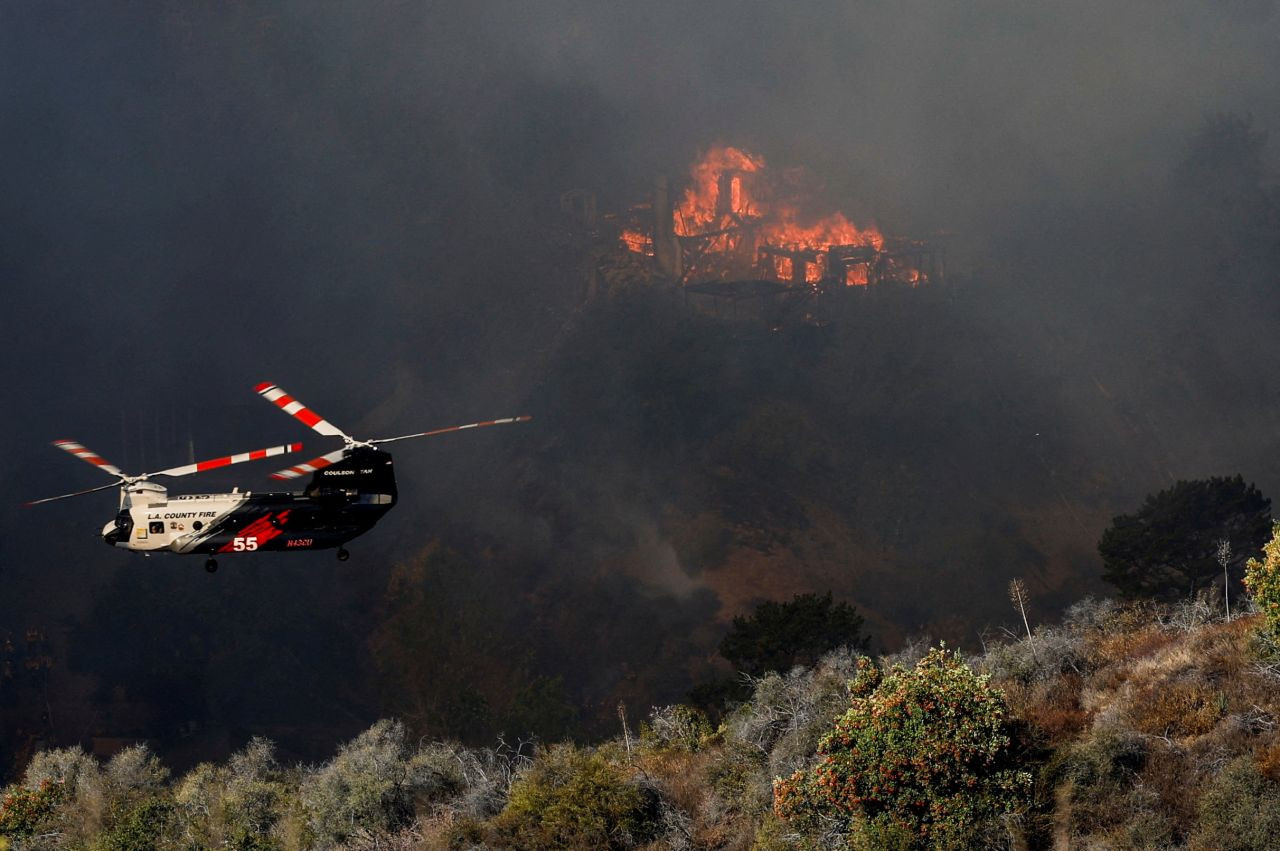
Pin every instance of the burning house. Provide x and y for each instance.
(739, 232)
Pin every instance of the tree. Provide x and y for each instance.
(1262, 578)
(923, 758)
(1170, 547)
(779, 636)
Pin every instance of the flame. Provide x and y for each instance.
(782, 267)
(701, 209)
(787, 231)
(812, 273)
(734, 206)
(634, 240)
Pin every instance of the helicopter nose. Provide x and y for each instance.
(110, 534)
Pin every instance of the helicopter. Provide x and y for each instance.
(350, 490)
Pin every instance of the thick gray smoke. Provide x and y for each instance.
(346, 199)
(944, 113)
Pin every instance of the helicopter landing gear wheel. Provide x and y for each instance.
(211, 565)
(343, 555)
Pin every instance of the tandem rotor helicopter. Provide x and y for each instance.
(350, 489)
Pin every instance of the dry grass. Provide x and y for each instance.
(1190, 700)
(1175, 709)
(1052, 708)
(686, 782)
(1267, 758)
(681, 777)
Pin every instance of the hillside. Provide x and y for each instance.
(1138, 727)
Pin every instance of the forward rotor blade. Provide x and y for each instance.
(225, 460)
(520, 419)
(311, 466)
(297, 410)
(77, 493)
(89, 456)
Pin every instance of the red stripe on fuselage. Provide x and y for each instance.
(262, 529)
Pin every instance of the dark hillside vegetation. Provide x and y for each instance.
(1135, 726)
(708, 466)
(910, 458)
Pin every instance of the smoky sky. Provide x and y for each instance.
(196, 197)
(344, 197)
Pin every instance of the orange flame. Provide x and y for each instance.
(733, 205)
(812, 273)
(702, 209)
(634, 240)
(782, 267)
(786, 231)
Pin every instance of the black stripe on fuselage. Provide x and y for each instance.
(294, 521)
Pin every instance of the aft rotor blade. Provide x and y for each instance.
(311, 466)
(77, 493)
(225, 460)
(434, 432)
(297, 410)
(88, 456)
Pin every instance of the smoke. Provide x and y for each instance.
(350, 200)
(945, 114)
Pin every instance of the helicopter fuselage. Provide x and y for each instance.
(342, 501)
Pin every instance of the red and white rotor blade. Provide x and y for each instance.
(297, 410)
(88, 456)
(77, 493)
(311, 466)
(434, 432)
(226, 460)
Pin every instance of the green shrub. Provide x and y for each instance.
(1111, 792)
(738, 775)
(364, 788)
(1240, 811)
(239, 805)
(1262, 578)
(24, 810)
(137, 826)
(569, 798)
(678, 727)
(926, 752)
(82, 802)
